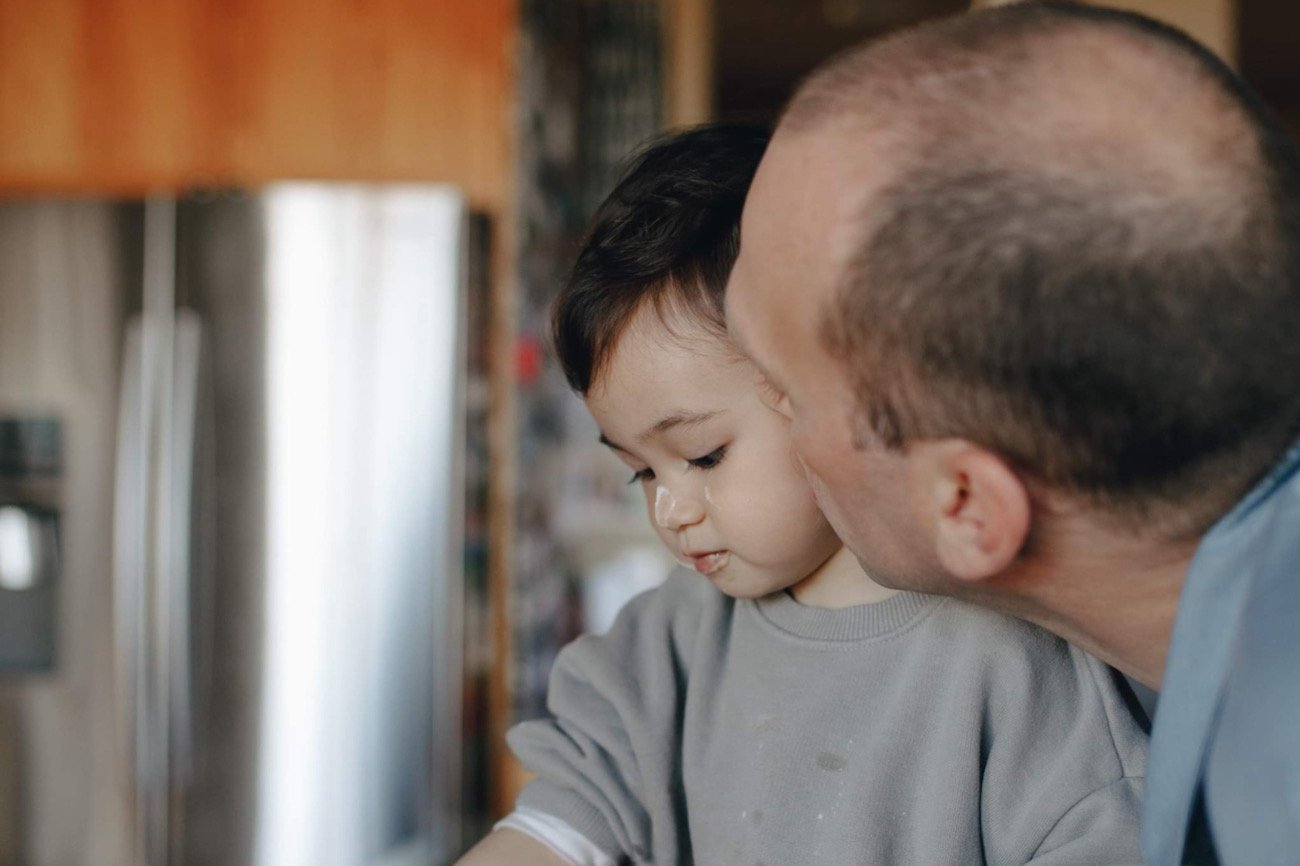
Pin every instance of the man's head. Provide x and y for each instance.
(1038, 254)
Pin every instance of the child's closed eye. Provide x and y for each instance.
(710, 460)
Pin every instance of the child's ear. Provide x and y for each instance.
(980, 507)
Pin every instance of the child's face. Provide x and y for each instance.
(722, 484)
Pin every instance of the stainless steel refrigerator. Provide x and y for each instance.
(230, 528)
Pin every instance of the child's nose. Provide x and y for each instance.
(677, 509)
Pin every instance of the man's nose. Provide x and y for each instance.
(677, 508)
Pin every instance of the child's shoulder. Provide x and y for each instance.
(652, 641)
(1017, 659)
(670, 614)
(1010, 650)
(995, 631)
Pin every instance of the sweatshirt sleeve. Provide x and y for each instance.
(1065, 763)
(1101, 828)
(608, 759)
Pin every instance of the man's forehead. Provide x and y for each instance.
(800, 223)
(740, 329)
(811, 193)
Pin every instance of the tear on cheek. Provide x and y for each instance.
(664, 505)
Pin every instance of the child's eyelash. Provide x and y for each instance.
(710, 460)
(640, 475)
(707, 462)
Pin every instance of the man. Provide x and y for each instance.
(1027, 284)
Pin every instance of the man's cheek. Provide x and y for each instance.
(821, 492)
(831, 511)
(811, 446)
(803, 450)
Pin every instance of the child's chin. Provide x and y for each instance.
(738, 587)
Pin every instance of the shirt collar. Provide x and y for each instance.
(1200, 653)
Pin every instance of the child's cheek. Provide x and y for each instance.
(722, 490)
(749, 493)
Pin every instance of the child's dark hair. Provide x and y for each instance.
(667, 234)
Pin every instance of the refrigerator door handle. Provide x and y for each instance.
(130, 558)
(178, 582)
(159, 361)
(142, 541)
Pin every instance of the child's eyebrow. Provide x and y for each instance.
(680, 419)
(610, 443)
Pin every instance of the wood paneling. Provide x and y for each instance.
(763, 49)
(127, 95)
(688, 66)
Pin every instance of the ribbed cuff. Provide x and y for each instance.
(573, 810)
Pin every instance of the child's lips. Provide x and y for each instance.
(709, 563)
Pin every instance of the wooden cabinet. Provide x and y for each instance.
(128, 95)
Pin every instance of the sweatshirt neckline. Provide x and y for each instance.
(857, 623)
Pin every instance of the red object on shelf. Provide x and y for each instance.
(528, 359)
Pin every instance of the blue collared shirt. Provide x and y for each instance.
(1228, 722)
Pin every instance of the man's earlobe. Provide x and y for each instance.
(981, 510)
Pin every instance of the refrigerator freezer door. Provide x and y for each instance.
(362, 555)
(65, 281)
(333, 318)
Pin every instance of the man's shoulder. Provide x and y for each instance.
(1253, 769)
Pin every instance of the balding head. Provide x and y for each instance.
(1054, 88)
(1075, 242)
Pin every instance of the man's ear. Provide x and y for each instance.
(979, 507)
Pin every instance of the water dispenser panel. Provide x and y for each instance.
(31, 471)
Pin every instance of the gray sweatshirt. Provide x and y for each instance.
(920, 730)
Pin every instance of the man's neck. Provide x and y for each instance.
(1117, 598)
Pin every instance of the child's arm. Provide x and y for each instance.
(506, 847)
(606, 759)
